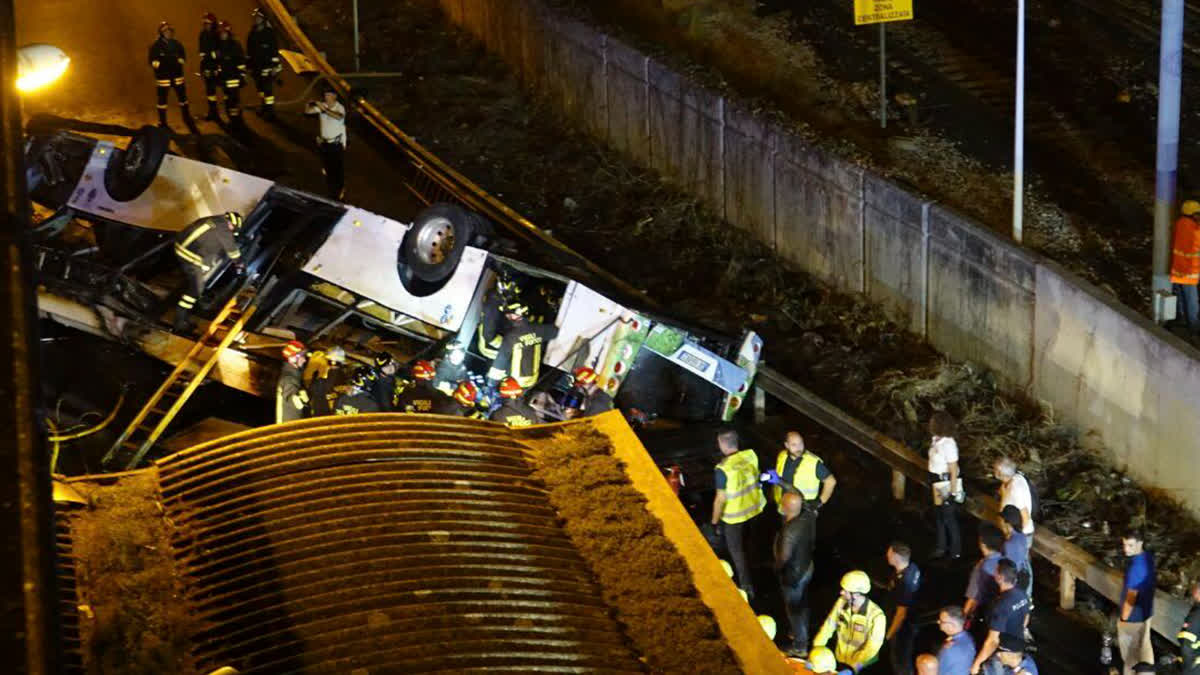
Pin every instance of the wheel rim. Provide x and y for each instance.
(435, 241)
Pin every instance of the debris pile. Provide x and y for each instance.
(641, 573)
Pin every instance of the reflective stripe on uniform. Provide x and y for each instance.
(743, 496)
(160, 106)
(196, 234)
(177, 81)
(163, 83)
(270, 100)
(232, 84)
(804, 479)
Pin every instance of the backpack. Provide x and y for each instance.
(1035, 502)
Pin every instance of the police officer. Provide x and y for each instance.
(200, 248)
(167, 58)
(804, 471)
(208, 45)
(513, 411)
(358, 397)
(323, 375)
(1012, 657)
(461, 403)
(522, 346)
(421, 396)
(383, 384)
(1008, 617)
(739, 499)
(857, 622)
(291, 400)
(1189, 635)
(231, 64)
(905, 584)
(262, 52)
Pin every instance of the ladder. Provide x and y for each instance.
(158, 413)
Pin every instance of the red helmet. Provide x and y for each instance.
(292, 348)
(465, 393)
(584, 375)
(208, 17)
(424, 370)
(509, 388)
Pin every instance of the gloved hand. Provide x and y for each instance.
(771, 477)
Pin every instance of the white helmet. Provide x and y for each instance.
(336, 354)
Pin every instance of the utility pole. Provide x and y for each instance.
(1170, 67)
(356, 66)
(1018, 212)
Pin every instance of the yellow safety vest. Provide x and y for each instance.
(859, 634)
(804, 480)
(743, 497)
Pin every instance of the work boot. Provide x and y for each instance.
(213, 115)
(162, 118)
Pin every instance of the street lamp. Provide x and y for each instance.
(39, 65)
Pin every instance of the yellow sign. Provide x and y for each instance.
(880, 11)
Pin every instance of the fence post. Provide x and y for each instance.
(897, 485)
(760, 405)
(1066, 589)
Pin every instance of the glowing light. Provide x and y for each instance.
(39, 65)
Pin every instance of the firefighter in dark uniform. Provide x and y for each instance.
(521, 349)
(421, 396)
(384, 384)
(513, 411)
(491, 316)
(208, 45)
(461, 403)
(594, 399)
(451, 369)
(323, 375)
(358, 397)
(201, 247)
(167, 59)
(262, 53)
(231, 66)
(291, 400)
(1189, 636)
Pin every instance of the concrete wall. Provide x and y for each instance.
(973, 295)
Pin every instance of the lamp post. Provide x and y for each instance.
(1018, 212)
(1170, 66)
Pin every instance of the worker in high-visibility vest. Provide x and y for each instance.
(803, 471)
(858, 624)
(738, 500)
(201, 247)
(1185, 263)
(522, 347)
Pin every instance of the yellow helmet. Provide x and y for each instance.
(856, 582)
(1190, 208)
(768, 625)
(821, 660)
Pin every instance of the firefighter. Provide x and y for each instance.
(210, 66)
(262, 53)
(461, 403)
(291, 399)
(513, 411)
(491, 316)
(451, 369)
(421, 396)
(231, 68)
(858, 624)
(1189, 635)
(323, 375)
(384, 385)
(520, 351)
(594, 399)
(167, 59)
(358, 397)
(201, 247)
(1185, 263)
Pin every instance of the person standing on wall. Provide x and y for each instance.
(947, 484)
(262, 52)
(167, 60)
(1185, 264)
(231, 62)
(738, 500)
(1137, 603)
(208, 45)
(331, 140)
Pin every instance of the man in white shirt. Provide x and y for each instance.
(1014, 490)
(331, 143)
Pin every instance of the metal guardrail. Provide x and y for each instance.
(1074, 563)
(405, 543)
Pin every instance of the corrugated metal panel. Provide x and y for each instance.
(398, 543)
(68, 595)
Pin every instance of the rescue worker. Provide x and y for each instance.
(461, 403)
(1189, 636)
(358, 397)
(231, 66)
(291, 399)
(383, 383)
(323, 375)
(821, 661)
(858, 624)
(208, 45)
(421, 396)
(520, 351)
(513, 411)
(201, 247)
(1185, 264)
(803, 471)
(738, 500)
(167, 59)
(491, 315)
(595, 400)
(262, 54)
(451, 369)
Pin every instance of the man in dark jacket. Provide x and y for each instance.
(262, 53)
(231, 63)
(201, 247)
(291, 400)
(383, 386)
(208, 44)
(794, 564)
(166, 58)
(514, 412)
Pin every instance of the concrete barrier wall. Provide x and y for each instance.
(973, 295)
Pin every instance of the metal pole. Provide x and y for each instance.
(1170, 61)
(883, 75)
(356, 67)
(28, 596)
(1018, 212)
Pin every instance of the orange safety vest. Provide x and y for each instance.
(1185, 256)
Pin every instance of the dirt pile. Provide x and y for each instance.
(467, 108)
(642, 575)
(128, 581)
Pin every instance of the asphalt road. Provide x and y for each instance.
(109, 81)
